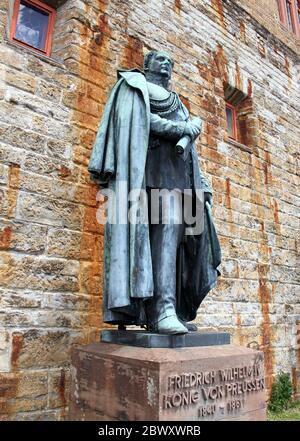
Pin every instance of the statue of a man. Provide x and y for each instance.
(156, 275)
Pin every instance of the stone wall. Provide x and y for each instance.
(266, 13)
(51, 245)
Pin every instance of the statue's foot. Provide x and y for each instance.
(171, 325)
(191, 327)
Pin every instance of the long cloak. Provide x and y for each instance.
(119, 155)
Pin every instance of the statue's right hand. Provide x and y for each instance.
(197, 122)
(192, 130)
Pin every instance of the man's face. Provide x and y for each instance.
(161, 64)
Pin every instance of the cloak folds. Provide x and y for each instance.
(197, 268)
(119, 155)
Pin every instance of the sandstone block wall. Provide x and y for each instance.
(51, 247)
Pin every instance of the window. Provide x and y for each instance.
(289, 13)
(32, 25)
(240, 118)
(231, 121)
(290, 21)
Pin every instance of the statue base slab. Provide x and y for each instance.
(152, 340)
(125, 383)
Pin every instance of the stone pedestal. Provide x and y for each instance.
(124, 383)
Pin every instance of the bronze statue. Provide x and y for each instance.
(156, 272)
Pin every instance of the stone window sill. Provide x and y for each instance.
(42, 57)
(243, 147)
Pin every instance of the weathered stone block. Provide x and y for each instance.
(73, 245)
(50, 212)
(9, 57)
(46, 166)
(59, 149)
(125, 383)
(37, 415)
(23, 391)
(67, 301)
(3, 174)
(35, 348)
(49, 91)
(5, 345)
(59, 384)
(39, 273)
(23, 299)
(23, 237)
(20, 80)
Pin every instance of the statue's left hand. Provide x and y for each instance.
(208, 198)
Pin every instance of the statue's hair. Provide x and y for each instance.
(149, 56)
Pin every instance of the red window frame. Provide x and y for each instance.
(43, 7)
(283, 14)
(234, 121)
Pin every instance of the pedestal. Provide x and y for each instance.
(125, 383)
(151, 340)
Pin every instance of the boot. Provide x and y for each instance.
(171, 326)
(191, 327)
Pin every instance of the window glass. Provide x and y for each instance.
(32, 26)
(289, 14)
(230, 121)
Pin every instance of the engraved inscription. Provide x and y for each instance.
(222, 391)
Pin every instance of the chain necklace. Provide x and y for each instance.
(166, 106)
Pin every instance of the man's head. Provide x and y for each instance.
(158, 63)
